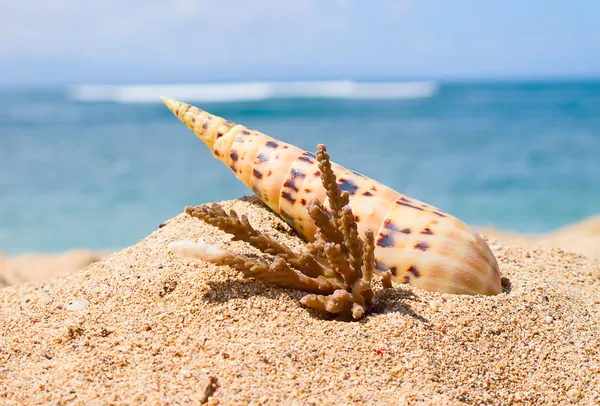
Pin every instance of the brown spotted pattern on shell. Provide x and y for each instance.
(420, 244)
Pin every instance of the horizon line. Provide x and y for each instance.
(440, 80)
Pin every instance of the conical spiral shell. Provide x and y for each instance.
(419, 244)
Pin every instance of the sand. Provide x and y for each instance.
(582, 238)
(38, 267)
(160, 329)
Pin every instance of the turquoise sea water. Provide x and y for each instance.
(103, 174)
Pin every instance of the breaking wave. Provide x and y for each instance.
(254, 91)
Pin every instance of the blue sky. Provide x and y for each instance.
(162, 41)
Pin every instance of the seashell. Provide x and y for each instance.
(74, 305)
(419, 244)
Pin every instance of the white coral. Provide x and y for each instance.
(199, 249)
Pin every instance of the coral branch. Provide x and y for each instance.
(352, 241)
(339, 302)
(278, 272)
(369, 256)
(336, 199)
(316, 247)
(242, 230)
(324, 223)
(339, 263)
(386, 280)
(336, 269)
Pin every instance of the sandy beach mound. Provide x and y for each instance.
(581, 238)
(38, 267)
(145, 326)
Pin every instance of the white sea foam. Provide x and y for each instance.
(251, 91)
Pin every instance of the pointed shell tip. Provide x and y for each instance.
(167, 100)
(171, 104)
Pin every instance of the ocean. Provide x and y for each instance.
(101, 167)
